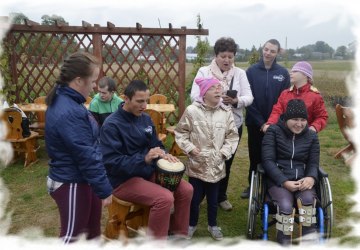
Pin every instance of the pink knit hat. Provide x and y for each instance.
(205, 84)
(303, 67)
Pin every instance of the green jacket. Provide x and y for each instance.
(101, 109)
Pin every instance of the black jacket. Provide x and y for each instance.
(287, 156)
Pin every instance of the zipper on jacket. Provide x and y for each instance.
(267, 83)
(293, 151)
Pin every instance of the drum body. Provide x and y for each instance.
(169, 174)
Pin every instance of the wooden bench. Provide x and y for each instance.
(345, 119)
(26, 146)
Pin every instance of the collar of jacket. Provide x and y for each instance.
(72, 93)
(202, 105)
(304, 88)
(127, 115)
(262, 64)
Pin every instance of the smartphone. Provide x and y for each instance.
(231, 93)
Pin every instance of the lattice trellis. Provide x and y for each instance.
(156, 56)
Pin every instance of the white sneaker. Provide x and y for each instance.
(226, 205)
(191, 232)
(215, 232)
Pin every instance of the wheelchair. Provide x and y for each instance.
(260, 206)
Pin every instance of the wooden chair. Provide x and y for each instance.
(345, 118)
(175, 149)
(124, 216)
(159, 99)
(88, 100)
(39, 125)
(156, 118)
(26, 146)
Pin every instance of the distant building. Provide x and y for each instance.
(298, 55)
(150, 58)
(190, 56)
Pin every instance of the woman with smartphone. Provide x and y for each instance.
(236, 93)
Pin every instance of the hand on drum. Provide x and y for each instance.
(158, 152)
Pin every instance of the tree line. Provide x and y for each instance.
(318, 51)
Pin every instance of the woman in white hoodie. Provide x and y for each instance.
(236, 94)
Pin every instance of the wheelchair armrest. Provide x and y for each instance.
(260, 169)
(322, 173)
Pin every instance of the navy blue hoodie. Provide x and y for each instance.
(125, 140)
(71, 137)
(266, 86)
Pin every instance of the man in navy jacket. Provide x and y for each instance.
(130, 150)
(267, 80)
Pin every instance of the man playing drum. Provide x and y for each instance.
(130, 150)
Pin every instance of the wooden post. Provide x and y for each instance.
(182, 69)
(97, 48)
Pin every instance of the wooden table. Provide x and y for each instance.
(32, 107)
(35, 107)
(162, 108)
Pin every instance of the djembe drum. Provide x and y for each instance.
(169, 174)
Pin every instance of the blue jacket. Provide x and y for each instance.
(125, 139)
(266, 86)
(71, 137)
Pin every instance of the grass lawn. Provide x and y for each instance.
(31, 207)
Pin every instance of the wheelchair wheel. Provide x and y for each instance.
(254, 205)
(327, 206)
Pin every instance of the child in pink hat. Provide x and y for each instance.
(301, 78)
(207, 133)
(205, 84)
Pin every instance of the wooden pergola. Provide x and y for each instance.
(155, 55)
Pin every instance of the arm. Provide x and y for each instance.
(118, 158)
(277, 110)
(231, 138)
(182, 133)
(320, 114)
(312, 166)
(85, 151)
(252, 109)
(269, 153)
(244, 94)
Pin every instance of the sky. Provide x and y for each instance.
(249, 22)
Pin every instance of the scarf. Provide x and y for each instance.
(224, 77)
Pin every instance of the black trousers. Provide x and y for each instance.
(222, 196)
(255, 137)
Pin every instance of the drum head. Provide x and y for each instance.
(170, 166)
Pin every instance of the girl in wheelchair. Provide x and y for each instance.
(290, 158)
